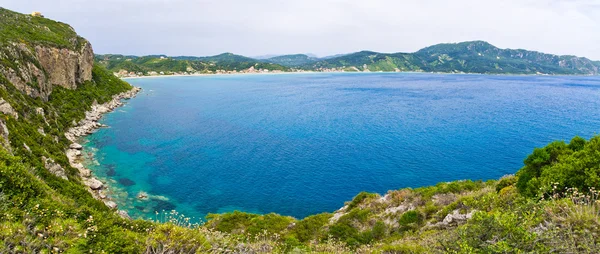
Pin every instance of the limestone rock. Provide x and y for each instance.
(54, 168)
(110, 204)
(7, 109)
(124, 214)
(94, 184)
(456, 217)
(27, 147)
(142, 195)
(90, 123)
(41, 131)
(453, 219)
(101, 194)
(57, 66)
(76, 146)
(4, 134)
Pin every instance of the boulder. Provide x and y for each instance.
(142, 195)
(123, 214)
(7, 109)
(76, 146)
(94, 184)
(110, 204)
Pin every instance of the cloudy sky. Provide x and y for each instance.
(323, 27)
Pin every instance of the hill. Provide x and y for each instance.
(292, 60)
(468, 57)
(226, 62)
(49, 203)
(464, 57)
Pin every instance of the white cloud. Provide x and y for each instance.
(324, 26)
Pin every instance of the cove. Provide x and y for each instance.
(301, 144)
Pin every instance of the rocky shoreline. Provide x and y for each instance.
(87, 126)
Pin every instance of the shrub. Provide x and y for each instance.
(359, 199)
(410, 220)
(505, 181)
(311, 227)
(561, 166)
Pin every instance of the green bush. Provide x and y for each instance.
(559, 166)
(410, 220)
(359, 199)
(505, 182)
(311, 227)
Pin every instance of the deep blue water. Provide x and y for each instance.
(300, 144)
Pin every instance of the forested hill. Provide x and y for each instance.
(154, 64)
(464, 57)
(48, 81)
(468, 57)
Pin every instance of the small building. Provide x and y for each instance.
(37, 14)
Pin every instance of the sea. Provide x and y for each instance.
(303, 144)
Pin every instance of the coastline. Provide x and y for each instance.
(358, 73)
(230, 74)
(85, 127)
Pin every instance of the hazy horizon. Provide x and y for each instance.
(323, 28)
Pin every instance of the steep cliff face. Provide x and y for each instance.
(47, 67)
(35, 65)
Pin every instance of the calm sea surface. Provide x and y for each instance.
(300, 144)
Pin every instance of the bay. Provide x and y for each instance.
(301, 144)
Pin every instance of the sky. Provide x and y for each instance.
(323, 27)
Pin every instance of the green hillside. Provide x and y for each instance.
(464, 57)
(469, 57)
(46, 208)
(297, 60)
(159, 63)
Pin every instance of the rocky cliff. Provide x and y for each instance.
(35, 64)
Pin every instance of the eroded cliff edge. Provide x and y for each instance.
(36, 71)
(51, 93)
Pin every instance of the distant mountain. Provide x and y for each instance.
(482, 57)
(263, 57)
(292, 60)
(334, 56)
(467, 57)
(470, 57)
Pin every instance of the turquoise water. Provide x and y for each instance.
(301, 144)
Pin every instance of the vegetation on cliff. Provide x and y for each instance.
(17, 28)
(537, 210)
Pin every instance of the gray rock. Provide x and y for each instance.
(57, 67)
(110, 204)
(41, 131)
(94, 184)
(101, 194)
(54, 168)
(76, 146)
(456, 217)
(4, 134)
(123, 214)
(7, 109)
(27, 147)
